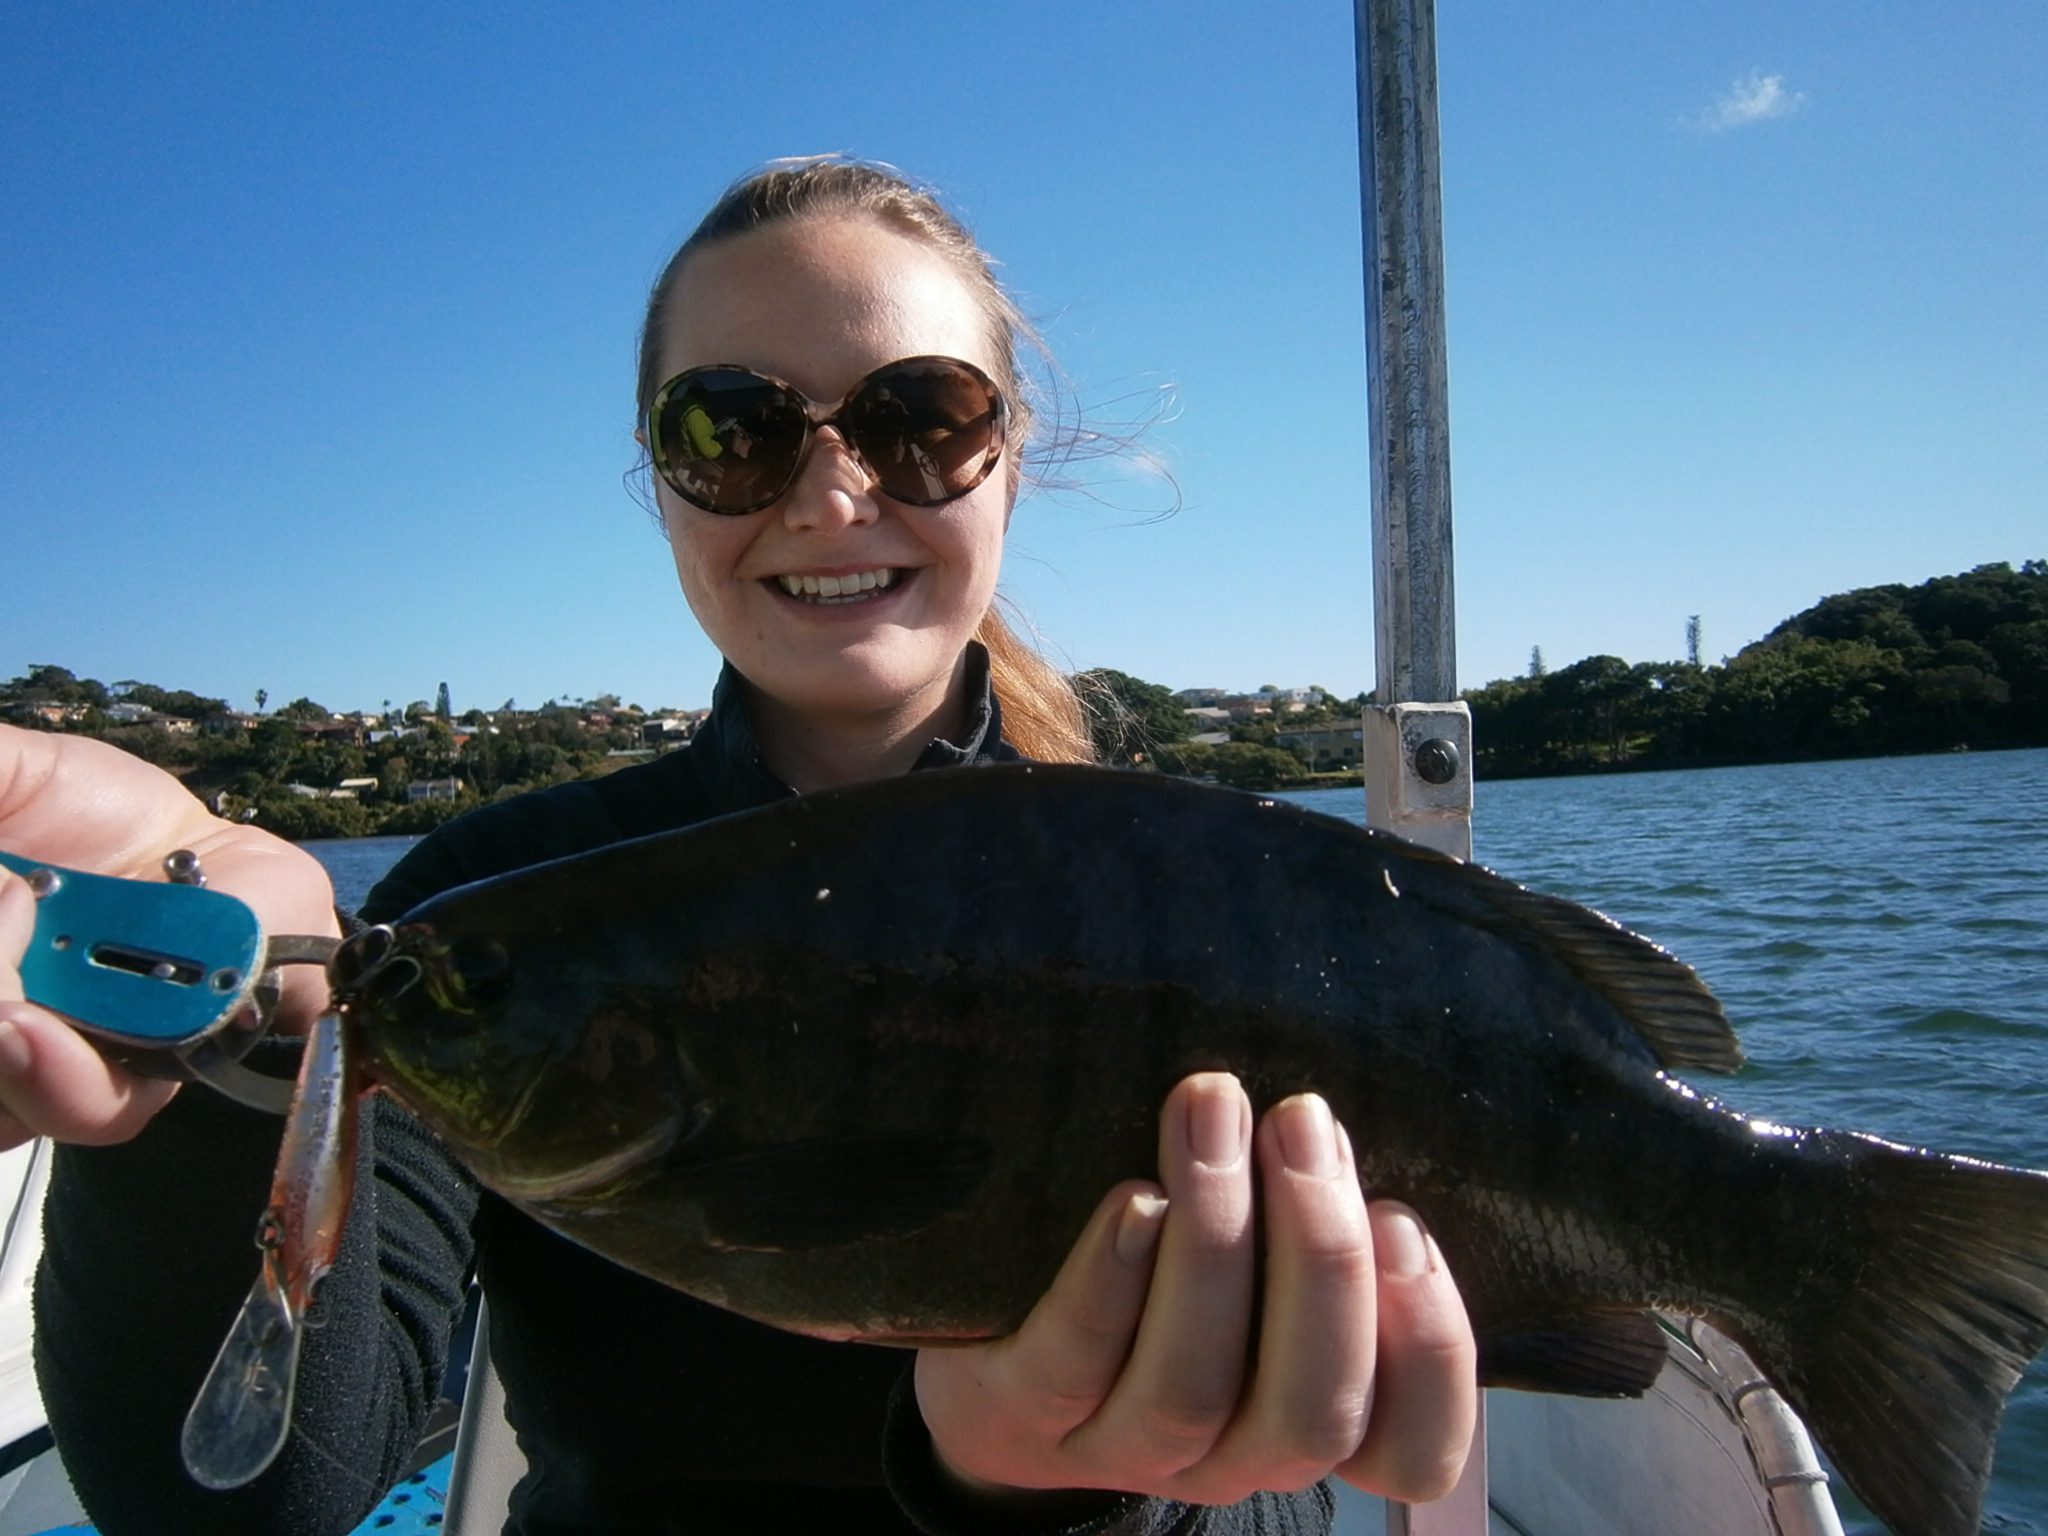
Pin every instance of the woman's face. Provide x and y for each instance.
(820, 303)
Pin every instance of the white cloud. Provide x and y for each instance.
(1751, 100)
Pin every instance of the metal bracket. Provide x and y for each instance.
(1418, 773)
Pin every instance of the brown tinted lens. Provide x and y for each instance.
(727, 440)
(928, 429)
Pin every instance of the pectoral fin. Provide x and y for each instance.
(819, 1194)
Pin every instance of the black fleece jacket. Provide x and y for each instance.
(640, 1410)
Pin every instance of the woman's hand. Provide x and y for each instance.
(78, 802)
(1155, 1364)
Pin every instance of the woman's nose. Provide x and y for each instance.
(833, 489)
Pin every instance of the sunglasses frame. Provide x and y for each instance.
(817, 417)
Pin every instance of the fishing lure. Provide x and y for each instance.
(174, 980)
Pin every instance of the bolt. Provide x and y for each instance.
(43, 883)
(1436, 761)
(181, 867)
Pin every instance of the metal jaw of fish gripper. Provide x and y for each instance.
(168, 978)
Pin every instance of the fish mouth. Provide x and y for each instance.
(841, 588)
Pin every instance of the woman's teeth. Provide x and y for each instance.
(837, 589)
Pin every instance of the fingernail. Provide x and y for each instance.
(1308, 1136)
(1216, 1123)
(15, 1051)
(1403, 1245)
(1137, 1229)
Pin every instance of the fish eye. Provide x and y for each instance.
(478, 972)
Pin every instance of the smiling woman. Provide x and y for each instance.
(830, 397)
(826, 274)
(825, 302)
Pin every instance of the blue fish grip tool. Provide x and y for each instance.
(168, 978)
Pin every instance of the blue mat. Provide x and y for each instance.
(413, 1508)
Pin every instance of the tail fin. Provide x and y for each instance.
(1905, 1378)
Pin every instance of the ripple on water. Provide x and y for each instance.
(1688, 890)
(2002, 925)
(1962, 1024)
(1780, 949)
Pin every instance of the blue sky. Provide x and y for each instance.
(318, 320)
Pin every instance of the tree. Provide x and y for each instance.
(1964, 699)
(175, 701)
(1240, 764)
(1692, 640)
(1595, 698)
(2022, 653)
(57, 685)
(442, 709)
(270, 751)
(1536, 667)
(1799, 696)
(262, 698)
(306, 710)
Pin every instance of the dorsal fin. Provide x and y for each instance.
(1656, 993)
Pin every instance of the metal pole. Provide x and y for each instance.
(1414, 619)
(1418, 737)
(1418, 750)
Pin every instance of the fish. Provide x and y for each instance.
(862, 1063)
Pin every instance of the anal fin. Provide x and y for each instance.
(1603, 1354)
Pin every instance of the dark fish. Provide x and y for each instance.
(861, 1065)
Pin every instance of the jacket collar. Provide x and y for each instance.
(731, 753)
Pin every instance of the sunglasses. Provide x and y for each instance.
(729, 440)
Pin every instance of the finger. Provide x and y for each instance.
(1425, 1383)
(1311, 1389)
(77, 801)
(1181, 1387)
(53, 1083)
(983, 1405)
(1077, 1340)
(287, 888)
(17, 926)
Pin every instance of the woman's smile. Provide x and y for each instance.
(840, 587)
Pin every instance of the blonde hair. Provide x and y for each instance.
(1043, 717)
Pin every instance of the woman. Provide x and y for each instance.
(830, 395)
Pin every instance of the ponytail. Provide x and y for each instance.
(1043, 716)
